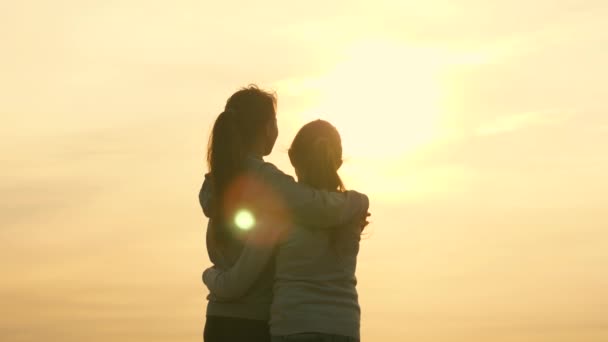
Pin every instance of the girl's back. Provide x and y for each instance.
(314, 289)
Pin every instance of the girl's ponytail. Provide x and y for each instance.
(325, 162)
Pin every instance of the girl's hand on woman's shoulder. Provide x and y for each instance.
(365, 221)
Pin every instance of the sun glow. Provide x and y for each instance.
(244, 219)
(383, 98)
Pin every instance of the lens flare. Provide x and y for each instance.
(244, 219)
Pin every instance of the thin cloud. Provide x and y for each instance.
(35, 200)
(510, 123)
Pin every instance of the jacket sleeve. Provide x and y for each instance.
(235, 281)
(315, 208)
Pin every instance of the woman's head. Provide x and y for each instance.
(247, 126)
(316, 155)
(254, 111)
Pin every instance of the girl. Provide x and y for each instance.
(315, 298)
(239, 178)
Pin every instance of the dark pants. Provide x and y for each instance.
(228, 329)
(313, 337)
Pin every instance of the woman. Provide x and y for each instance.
(315, 298)
(240, 181)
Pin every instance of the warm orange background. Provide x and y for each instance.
(478, 128)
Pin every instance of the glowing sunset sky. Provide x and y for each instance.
(479, 129)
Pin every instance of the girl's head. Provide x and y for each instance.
(247, 126)
(316, 155)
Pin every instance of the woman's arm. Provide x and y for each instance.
(307, 206)
(315, 208)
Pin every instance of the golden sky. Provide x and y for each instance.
(478, 128)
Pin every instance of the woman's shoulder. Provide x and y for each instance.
(262, 166)
(267, 171)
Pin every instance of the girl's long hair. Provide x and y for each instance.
(316, 154)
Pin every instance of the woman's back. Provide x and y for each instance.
(255, 303)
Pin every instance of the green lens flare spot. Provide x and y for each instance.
(244, 219)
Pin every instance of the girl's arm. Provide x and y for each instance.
(255, 256)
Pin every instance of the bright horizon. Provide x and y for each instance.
(477, 128)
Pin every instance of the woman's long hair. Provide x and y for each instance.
(244, 119)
